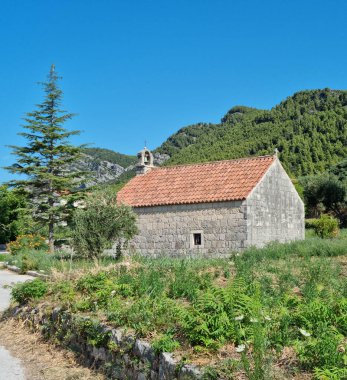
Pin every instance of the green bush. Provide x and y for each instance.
(323, 351)
(92, 330)
(186, 282)
(165, 343)
(101, 224)
(326, 227)
(3, 257)
(207, 323)
(27, 242)
(13, 214)
(311, 223)
(333, 373)
(29, 290)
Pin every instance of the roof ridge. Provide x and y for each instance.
(212, 162)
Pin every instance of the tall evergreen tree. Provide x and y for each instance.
(47, 159)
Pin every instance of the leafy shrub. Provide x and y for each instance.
(311, 223)
(27, 242)
(330, 373)
(90, 283)
(325, 193)
(98, 290)
(186, 282)
(66, 292)
(92, 330)
(165, 343)
(323, 350)
(340, 308)
(28, 264)
(3, 257)
(101, 224)
(326, 227)
(12, 216)
(207, 322)
(311, 315)
(146, 315)
(30, 290)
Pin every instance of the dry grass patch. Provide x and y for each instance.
(41, 360)
(76, 274)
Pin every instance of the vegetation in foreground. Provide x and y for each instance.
(281, 308)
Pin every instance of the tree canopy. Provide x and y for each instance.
(45, 160)
(11, 205)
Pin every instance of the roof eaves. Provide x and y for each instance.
(188, 203)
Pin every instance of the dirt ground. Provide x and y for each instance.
(41, 360)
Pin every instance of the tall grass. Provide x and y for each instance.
(61, 261)
(283, 295)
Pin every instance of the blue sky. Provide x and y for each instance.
(137, 70)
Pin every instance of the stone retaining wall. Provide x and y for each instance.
(117, 352)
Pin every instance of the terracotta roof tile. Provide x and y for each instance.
(199, 183)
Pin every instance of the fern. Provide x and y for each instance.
(236, 300)
(333, 373)
(207, 323)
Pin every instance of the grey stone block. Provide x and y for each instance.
(167, 367)
(189, 372)
(144, 350)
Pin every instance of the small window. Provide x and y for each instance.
(197, 239)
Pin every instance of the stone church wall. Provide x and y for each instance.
(169, 230)
(274, 210)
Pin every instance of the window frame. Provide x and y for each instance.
(192, 239)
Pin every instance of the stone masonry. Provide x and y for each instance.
(269, 208)
(274, 210)
(116, 352)
(168, 230)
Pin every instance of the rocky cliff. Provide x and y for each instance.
(106, 166)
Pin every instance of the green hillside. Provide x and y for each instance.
(111, 156)
(309, 129)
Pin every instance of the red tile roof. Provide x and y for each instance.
(199, 183)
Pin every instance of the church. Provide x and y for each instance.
(212, 209)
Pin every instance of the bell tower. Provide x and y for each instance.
(145, 163)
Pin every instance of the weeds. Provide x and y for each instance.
(261, 302)
(30, 290)
(165, 343)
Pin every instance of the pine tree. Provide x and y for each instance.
(47, 159)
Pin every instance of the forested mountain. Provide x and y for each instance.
(309, 129)
(111, 156)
